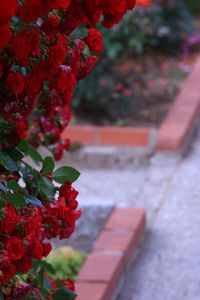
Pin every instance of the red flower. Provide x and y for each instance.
(37, 250)
(50, 26)
(131, 4)
(7, 10)
(7, 269)
(34, 84)
(60, 4)
(70, 285)
(32, 224)
(31, 10)
(144, 2)
(15, 248)
(94, 40)
(24, 264)
(66, 144)
(58, 52)
(47, 247)
(5, 34)
(10, 220)
(16, 82)
(58, 152)
(25, 44)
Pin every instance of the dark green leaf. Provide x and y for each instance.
(33, 200)
(14, 186)
(64, 293)
(48, 165)
(66, 174)
(41, 278)
(8, 163)
(47, 267)
(15, 154)
(17, 200)
(34, 154)
(2, 203)
(46, 187)
(23, 146)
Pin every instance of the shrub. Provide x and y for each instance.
(40, 63)
(164, 26)
(66, 262)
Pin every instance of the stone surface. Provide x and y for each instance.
(108, 157)
(88, 227)
(168, 266)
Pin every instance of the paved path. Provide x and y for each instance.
(168, 267)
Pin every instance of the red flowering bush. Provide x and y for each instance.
(41, 60)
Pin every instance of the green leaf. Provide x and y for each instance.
(47, 187)
(23, 146)
(15, 154)
(5, 128)
(40, 278)
(8, 163)
(66, 174)
(48, 165)
(47, 267)
(14, 186)
(64, 293)
(17, 200)
(33, 200)
(34, 154)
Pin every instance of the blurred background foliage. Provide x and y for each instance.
(66, 262)
(140, 69)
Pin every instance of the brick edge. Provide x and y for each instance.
(113, 252)
(109, 135)
(173, 135)
(179, 125)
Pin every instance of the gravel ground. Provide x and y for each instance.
(168, 267)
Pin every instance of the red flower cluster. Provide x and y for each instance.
(40, 62)
(23, 232)
(7, 10)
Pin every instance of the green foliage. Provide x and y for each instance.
(193, 6)
(38, 182)
(64, 293)
(66, 174)
(156, 27)
(148, 31)
(66, 263)
(48, 165)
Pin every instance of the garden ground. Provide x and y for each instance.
(168, 188)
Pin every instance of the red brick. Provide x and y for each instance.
(104, 268)
(85, 135)
(172, 136)
(177, 127)
(124, 136)
(91, 291)
(117, 240)
(100, 275)
(127, 218)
